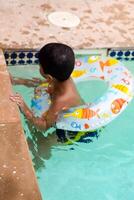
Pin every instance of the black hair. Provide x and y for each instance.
(57, 60)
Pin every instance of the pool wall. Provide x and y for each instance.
(17, 177)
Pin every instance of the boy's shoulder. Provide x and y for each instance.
(66, 101)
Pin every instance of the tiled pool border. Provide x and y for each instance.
(122, 54)
(30, 56)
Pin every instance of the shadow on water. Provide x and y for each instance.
(41, 146)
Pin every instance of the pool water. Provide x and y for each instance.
(99, 170)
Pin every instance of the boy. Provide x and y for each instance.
(56, 65)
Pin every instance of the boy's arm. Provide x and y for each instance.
(42, 123)
(39, 122)
(27, 82)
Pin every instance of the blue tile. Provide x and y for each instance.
(126, 58)
(30, 55)
(127, 53)
(132, 53)
(13, 55)
(113, 53)
(36, 55)
(36, 61)
(120, 53)
(6, 55)
(21, 55)
(13, 62)
(21, 62)
(29, 61)
(119, 58)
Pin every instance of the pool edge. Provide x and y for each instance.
(17, 176)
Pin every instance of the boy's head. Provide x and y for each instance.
(57, 60)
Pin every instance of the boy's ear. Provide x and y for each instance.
(49, 78)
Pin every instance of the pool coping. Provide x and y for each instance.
(17, 176)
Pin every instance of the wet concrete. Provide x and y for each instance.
(17, 177)
(24, 24)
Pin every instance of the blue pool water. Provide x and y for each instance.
(99, 170)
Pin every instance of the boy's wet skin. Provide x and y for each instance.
(56, 65)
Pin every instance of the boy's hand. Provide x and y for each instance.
(19, 100)
(38, 122)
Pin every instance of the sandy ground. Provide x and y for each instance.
(104, 23)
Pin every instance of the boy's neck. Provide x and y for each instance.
(61, 86)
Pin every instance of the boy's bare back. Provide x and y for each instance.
(64, 95)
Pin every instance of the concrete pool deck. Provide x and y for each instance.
(17, 177)
(104, 24)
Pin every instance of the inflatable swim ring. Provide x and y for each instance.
(90, 117)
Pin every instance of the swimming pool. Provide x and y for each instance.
(98, 170)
